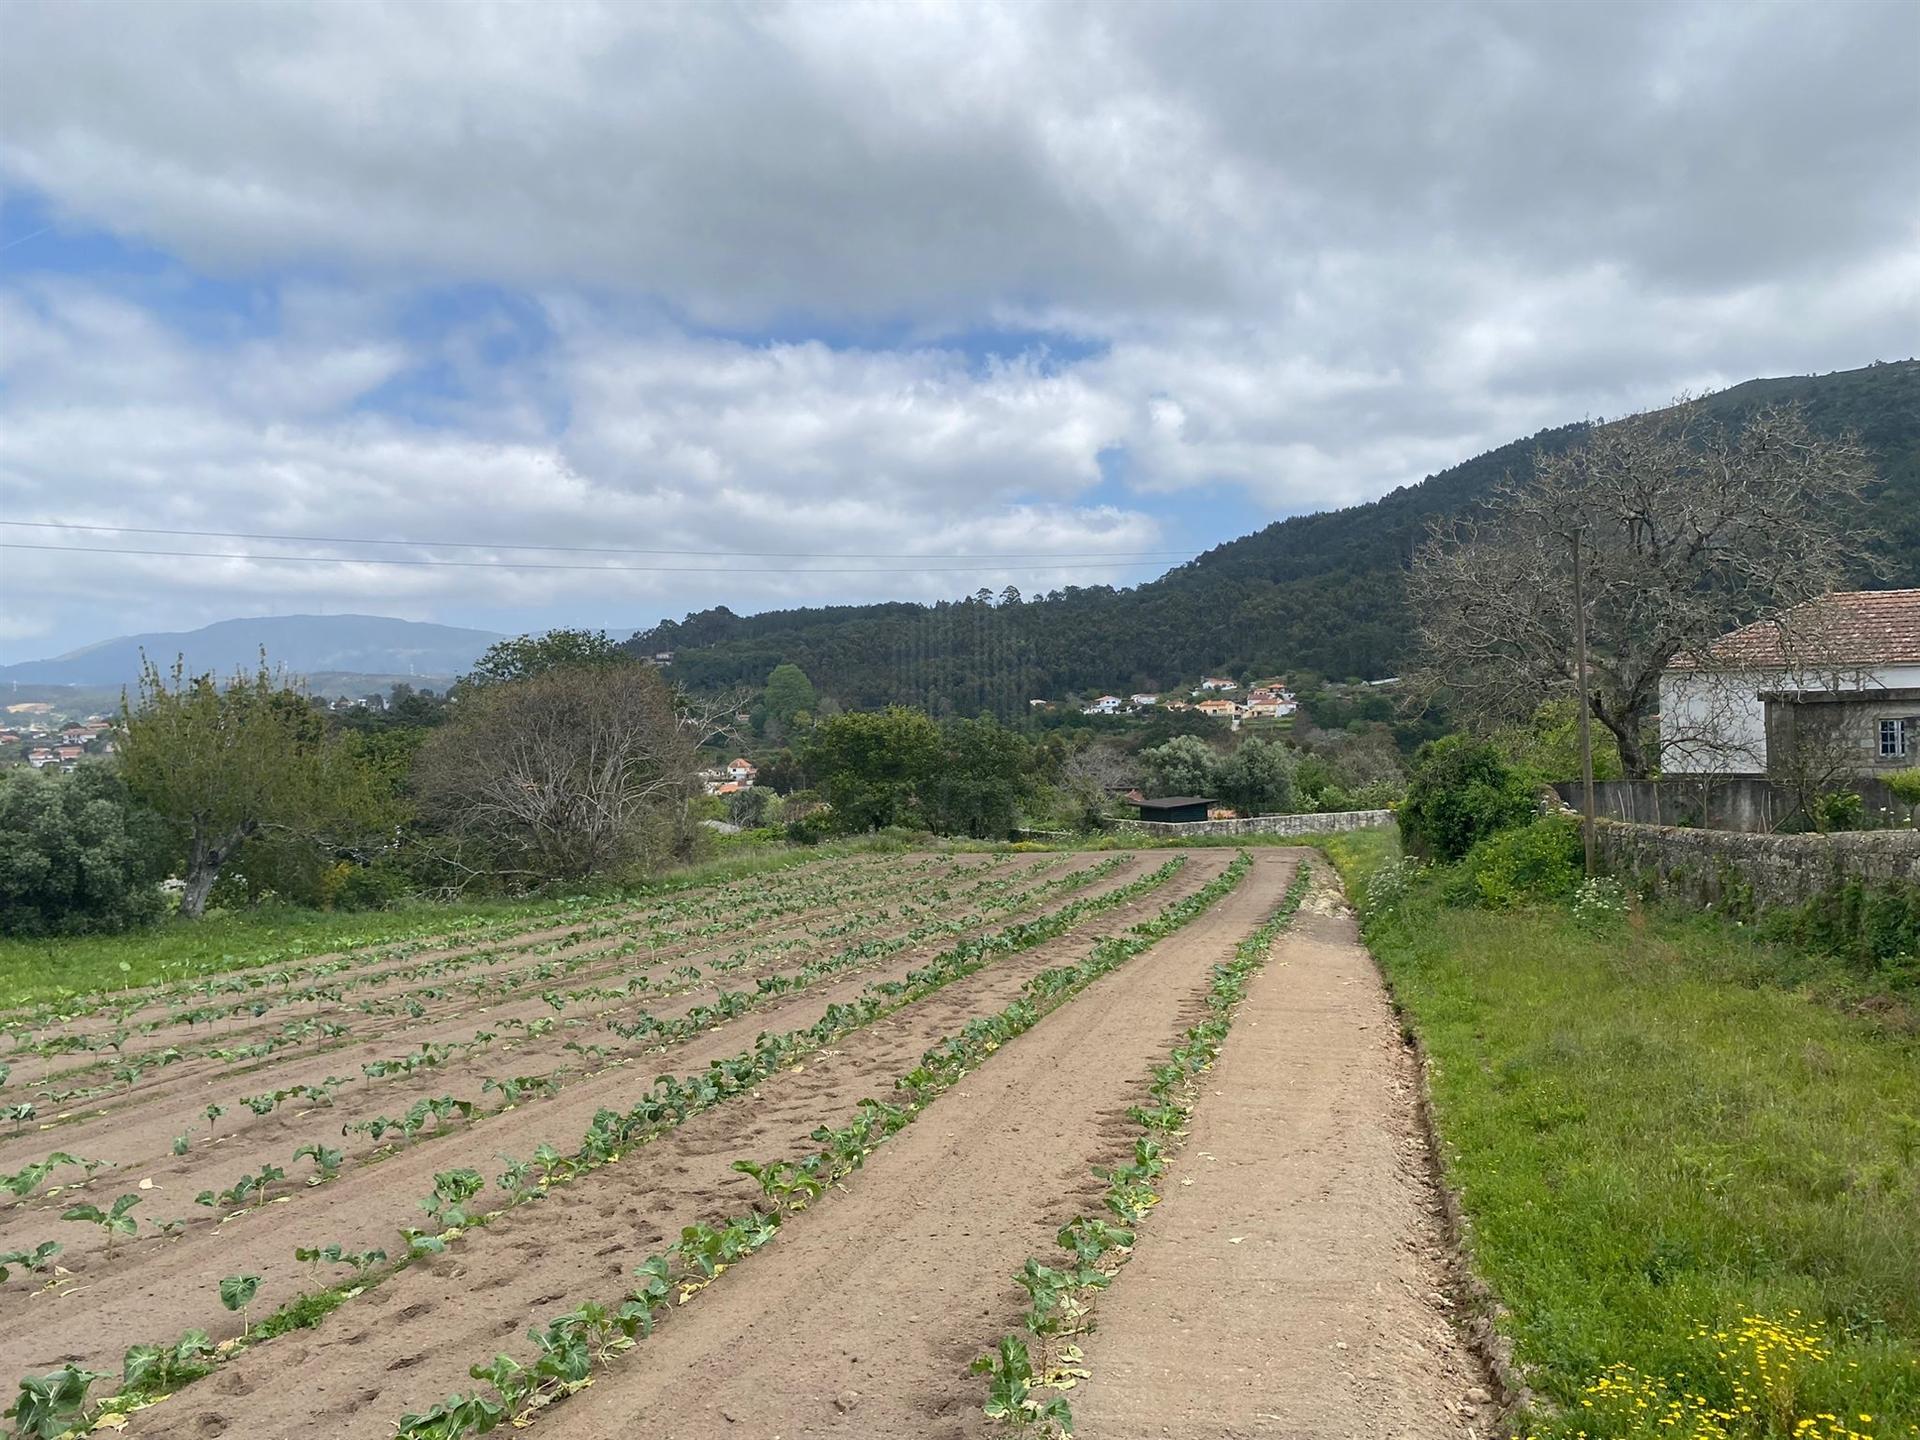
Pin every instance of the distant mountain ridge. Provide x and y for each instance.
(301, 644)
(1321, 592)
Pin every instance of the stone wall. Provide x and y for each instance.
(1713, 866)
(1332, 823)
(1751, 803)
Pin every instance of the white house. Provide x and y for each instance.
(741, 772)
(1142, 701)
(1105, 705)
(1216, 683)
(1859, 650)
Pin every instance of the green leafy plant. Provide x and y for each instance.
(27, 1179)
(35, 1259)
(326, 1162)
(452, 1189)
(453, 1417)
(114, 1220)
(154, 1369)
(236, 1293)
(335, 1255)
(50, 1405)
(1010, 1390)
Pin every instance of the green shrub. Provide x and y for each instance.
(1842, 810)
(1462, 791)
(77, 854)
(1541, 862)
(1905, 785)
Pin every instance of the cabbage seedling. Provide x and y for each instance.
(37, 1258)
(1010, 1388)
(326, 1162)
(451, 1191)
(213, 1113)
(19, 1114)
(181, 1143)
(115, 1221)
(236, 1293)
(51, 1405)
(159, 1368)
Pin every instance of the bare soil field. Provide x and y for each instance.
(506, 1134)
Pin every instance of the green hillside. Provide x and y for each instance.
(1316, 592)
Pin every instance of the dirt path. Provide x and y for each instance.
(1290, 1283)
(861, 1320)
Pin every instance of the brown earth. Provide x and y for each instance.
(862, 1320)
(1293, 1281)
(161, 1287)
(135, 1129)
(1291, 1284)
(409, 1342)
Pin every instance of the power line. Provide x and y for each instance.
(986, 562)
(601, 549)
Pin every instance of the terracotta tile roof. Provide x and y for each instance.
(1854, 627)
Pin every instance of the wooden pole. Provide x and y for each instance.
(1586, 720)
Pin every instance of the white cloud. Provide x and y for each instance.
(1300, 253)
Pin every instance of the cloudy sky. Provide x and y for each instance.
(952, 294)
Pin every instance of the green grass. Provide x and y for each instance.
(1667, 1127)
(47, 969)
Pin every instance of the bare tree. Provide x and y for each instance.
(563, 775)
(1686, 531)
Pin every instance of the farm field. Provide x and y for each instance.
(431, 1184)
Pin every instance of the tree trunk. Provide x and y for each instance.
(1635, 762)
(204, 859)
(200, 878)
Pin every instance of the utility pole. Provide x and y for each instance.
(1586, 720)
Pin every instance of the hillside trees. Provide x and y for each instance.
(1686, 529)
(224, 764)
(789, 698)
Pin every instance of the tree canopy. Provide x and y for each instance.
(224, 764)
(1684, 530)
(525, 656)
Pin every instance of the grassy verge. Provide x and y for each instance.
(1693, 1183)
(32, 970)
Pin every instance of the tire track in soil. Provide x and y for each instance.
(1292, 1282)
(163, 1287)
(408, 1343)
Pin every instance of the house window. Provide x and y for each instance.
(1893, 739)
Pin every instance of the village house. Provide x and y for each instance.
(1219, 709)
(741, 772)
(1217, 684)
(1141, 702)
(1845, 669)
(1270, 706)
(1105, 705)
(41, 758)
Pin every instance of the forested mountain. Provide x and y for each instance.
(1315, 592)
